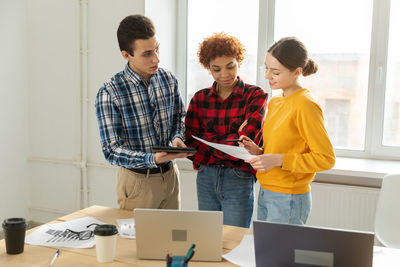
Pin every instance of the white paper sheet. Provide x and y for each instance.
(243, 254)
(55, 235)
(234, 151)
(127, 228)
(386, 257)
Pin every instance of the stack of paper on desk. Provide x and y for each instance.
(55, 235)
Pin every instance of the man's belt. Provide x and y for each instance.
(162, 168)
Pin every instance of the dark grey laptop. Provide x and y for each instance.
(281, 245)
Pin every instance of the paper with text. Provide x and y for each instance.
(57, 235)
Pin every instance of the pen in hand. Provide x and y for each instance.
(54, 257)
(236, 140)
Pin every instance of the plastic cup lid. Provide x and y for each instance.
(105, 230)
(14, 222)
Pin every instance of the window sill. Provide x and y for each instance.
(347, 171)
(358, 172)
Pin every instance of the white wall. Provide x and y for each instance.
(13, 109)
(54, 105)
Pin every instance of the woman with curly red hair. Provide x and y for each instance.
(226, 110)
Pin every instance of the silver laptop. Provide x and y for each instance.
(294, 245)
(160, 231)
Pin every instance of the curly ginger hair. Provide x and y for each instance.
(218, 45)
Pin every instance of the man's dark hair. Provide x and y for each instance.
(132, 28)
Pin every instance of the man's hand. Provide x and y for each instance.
(161, 157)
(177, 142)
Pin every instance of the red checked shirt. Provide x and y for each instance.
(216, 120)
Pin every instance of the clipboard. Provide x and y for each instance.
(171, 149)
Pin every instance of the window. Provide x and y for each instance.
(206, 17)
(391, 128)
(337, 121)
(354, 42)
(338, 39)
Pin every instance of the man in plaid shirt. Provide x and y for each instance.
(226, 110)
(138, 108)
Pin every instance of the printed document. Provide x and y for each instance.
(57, 235)
(234, 151)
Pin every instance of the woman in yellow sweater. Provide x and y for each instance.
(296, 144)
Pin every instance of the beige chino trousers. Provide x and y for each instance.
(155, 191)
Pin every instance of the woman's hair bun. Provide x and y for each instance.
(310, 68)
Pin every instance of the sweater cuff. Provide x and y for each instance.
(289, 161)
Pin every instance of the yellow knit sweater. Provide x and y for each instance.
(294, 127)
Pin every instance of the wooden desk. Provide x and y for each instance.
(126, 248)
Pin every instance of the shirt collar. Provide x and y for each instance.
(238, 90)
(133, 76)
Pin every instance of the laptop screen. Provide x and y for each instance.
(160, 231)
(296, 245)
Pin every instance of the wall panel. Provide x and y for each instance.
(54, 81)
(14, 187)
(54, 190)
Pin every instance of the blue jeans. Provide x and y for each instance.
(283, 208)
(228, 190)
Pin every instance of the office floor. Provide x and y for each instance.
(30, 225)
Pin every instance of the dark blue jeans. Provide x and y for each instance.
(228, 190)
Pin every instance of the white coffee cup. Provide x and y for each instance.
(105, 236)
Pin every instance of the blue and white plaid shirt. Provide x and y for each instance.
(134, 115)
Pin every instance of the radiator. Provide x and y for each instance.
(343, 206)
